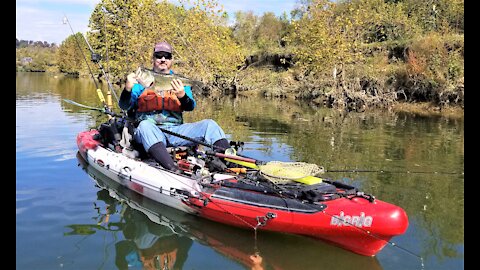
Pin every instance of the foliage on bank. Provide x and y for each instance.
(367, 53)
(33, 58)
(372, 52)
(73, 55)
(350, 54)
(202, 41)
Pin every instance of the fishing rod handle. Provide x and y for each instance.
(100, 96)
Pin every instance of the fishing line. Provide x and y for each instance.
(106, 39)
(386, 171)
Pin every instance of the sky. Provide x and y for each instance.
(41, 20)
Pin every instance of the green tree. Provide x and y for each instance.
(321, 39)
(71, 55)
(35, 58)
(437, 15)
(127, 31)
(377, 20)
(244, 29)
(269, 32)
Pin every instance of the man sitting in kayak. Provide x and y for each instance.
(138, 97)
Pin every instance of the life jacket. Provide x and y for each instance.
(151, 100)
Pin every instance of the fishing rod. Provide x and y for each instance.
(102, 99)
(84, 106)
(220, 155)
(162, 129)
(96, 59)
(259, 162)
(111, 113)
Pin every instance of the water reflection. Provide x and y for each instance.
(46, 128)
(158, 237)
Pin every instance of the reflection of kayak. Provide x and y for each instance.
(279, 251)
(327, 210)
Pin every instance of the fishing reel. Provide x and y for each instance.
(237, 145)
(96, 57)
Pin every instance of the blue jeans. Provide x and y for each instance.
(208, 131)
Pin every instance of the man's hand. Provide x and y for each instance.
(131, 80)
(178, 89)
(257, 261)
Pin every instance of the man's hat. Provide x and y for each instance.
(163, 47)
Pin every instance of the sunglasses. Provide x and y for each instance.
(159, 55)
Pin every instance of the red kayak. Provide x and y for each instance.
(239, 195)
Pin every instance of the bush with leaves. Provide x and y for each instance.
(71, 55)
(202, 43)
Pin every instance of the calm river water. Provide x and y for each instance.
(69, 217)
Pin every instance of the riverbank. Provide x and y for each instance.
(429, 109)
(273, 90)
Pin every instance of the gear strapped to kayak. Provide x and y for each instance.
(283, 172)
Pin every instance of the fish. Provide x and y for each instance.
(159, 81)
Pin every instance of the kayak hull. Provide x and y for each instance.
(356, 222)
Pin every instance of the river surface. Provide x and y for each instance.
(69, 217)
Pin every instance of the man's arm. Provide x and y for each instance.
(125, 99)
(184, 94)
(187, 103)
